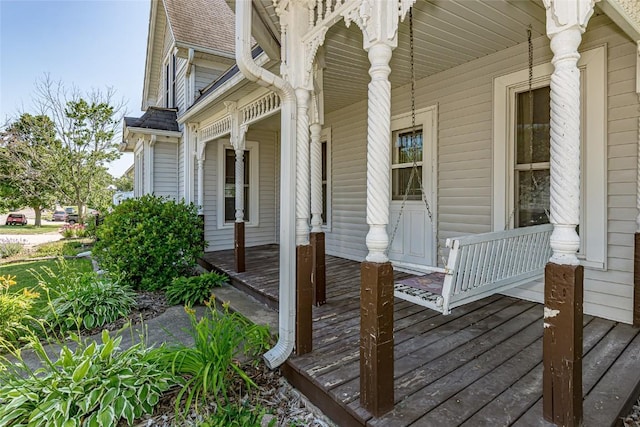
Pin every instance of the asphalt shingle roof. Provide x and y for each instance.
(206, 23)
(155, 118)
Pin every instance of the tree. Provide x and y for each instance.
(28, 175)
(88, 126)
(124, 183)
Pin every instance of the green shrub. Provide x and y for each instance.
(82, 299)
(62, 248)
(194, 290)
(14, 309)
(219, 339)
(149, 241)
(10, 247)
(95, 384)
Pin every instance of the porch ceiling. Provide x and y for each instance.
(447, 33)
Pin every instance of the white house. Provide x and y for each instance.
(317, 132)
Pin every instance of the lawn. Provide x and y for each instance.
(28, 229)
(25, 279)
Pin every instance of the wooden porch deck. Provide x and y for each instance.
(479, 366)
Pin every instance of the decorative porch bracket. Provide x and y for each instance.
(316, 118)
(562, 338)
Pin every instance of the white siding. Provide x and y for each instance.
(264, 232)
(464, 98)
(180, 165)
(181, 69)
(164, 169)
(204, 77)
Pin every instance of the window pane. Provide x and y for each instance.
(400, 179)
(324, 203)
(323, 146)
(532, 198)
(407, 148)
(533, 117)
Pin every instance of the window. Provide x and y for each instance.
(406, 153)
(532, 157)
(230, 185)
(227, 184)
(170, 82)
(520, 174)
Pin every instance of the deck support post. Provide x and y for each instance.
(238, 238)
(376, 337)
(562, 344)
(562, 339)
(318, 271)
(304, 317)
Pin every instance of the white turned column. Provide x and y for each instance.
(200, 185)
(239, 185)
(378, 151)
(302, 168)
(316, 178)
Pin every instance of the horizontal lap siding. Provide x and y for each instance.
(262, 234)
(181, 194)
(165, 169)
(204, 77)
(348, 178)
(181, 69)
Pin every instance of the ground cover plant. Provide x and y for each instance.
(83, 298)
(221, 339)
(95, 384)
(149, 241)
(62, 248)
(195, 289)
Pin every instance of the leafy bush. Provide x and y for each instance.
(10, 247)
(62, 248)
(14, 309)
(83, 299)
(195, 289)
(219, 339)
(149, 241)
(93, 385)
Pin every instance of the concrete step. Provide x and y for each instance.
(246, 305)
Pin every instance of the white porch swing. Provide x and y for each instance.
(478, 265)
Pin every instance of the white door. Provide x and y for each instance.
(413, 181)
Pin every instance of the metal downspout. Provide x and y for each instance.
(287, 313)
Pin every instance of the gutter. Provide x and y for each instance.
(287, 291)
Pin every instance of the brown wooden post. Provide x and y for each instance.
(304, 318)
(318, 272)
(376, 337)
(636, 282)
(562, 344)
(239, 246)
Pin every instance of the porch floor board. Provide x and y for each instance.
(479, 366)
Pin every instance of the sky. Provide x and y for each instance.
(86, 43)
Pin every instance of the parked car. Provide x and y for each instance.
(59, 216)
(16, 219)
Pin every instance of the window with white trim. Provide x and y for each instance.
(514, 164)
(406, 153)
(170, 82)
(227, 184)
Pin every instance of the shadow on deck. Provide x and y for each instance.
(479, 366)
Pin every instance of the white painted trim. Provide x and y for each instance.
(593, 216)
(254, 190)
(325, 138)
(157, 132)
(427, 118)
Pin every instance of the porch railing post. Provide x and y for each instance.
(564, 276)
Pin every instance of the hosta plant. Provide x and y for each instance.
(194, 290)
(96, 384)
